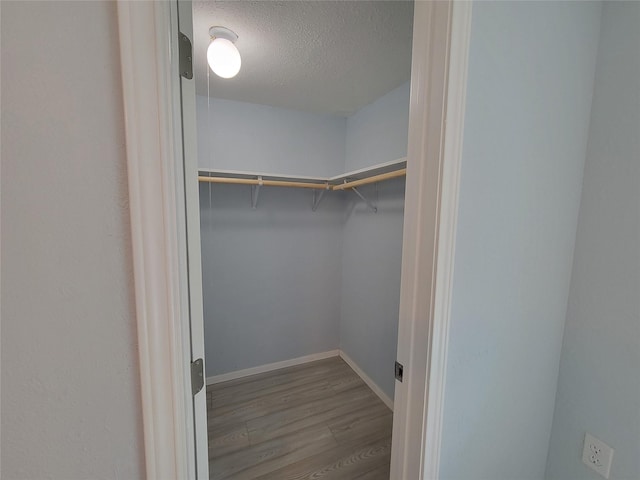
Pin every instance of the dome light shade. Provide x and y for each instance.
(223, 58)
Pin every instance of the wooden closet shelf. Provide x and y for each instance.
(268, 183)
(373, 179)
(376, 173)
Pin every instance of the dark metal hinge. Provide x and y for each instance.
(197, 376)
(186, 56)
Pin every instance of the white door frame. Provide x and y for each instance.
(156, 195)
(158, 190)
(441, 34)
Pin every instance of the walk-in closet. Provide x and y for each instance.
(302, 163)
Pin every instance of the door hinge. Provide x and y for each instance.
(197, 376)
(186, 56)
(399, 371)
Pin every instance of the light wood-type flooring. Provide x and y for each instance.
(313, 421)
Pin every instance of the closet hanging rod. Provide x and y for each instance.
(268, 183)
(373, 179)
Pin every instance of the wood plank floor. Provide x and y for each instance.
(313, 421)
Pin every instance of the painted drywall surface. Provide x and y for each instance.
(530, 84)
(70, 390)
(377, 133)
(271, 276)
(371, 264)
(278, 269)
(599, 386)
(372, 242)
(244, 136)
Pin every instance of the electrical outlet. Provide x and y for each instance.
(597, 455)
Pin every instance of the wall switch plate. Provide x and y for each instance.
(597, 455)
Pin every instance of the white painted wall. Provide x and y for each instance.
(530, 84)
(70, 389)
(245, 136)
(599, 385)
(372, 242)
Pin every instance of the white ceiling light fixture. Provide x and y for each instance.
(222, 55)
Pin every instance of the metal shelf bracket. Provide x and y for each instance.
(364, 199)
(317, 197)
(255, 192)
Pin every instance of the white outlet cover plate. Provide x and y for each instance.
(597, 455)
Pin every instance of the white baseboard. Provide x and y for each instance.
(225, 377)
(371, 384)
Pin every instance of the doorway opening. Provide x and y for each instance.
(302, 162)
(163, 183)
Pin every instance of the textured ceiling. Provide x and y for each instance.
(319, 56)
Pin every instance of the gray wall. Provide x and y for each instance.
(245, 136)
(377, 133)
(599, 384)
(283, 281)
(371, 264)
(372, 243)
(271, 276)
(70, 389)
(531, 73)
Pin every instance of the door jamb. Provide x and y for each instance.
(148, 57)
(439, 65)
(436, 121)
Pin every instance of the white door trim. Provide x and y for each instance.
(147, 31)
(441, 35)
(452, 157)
(185, 131)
